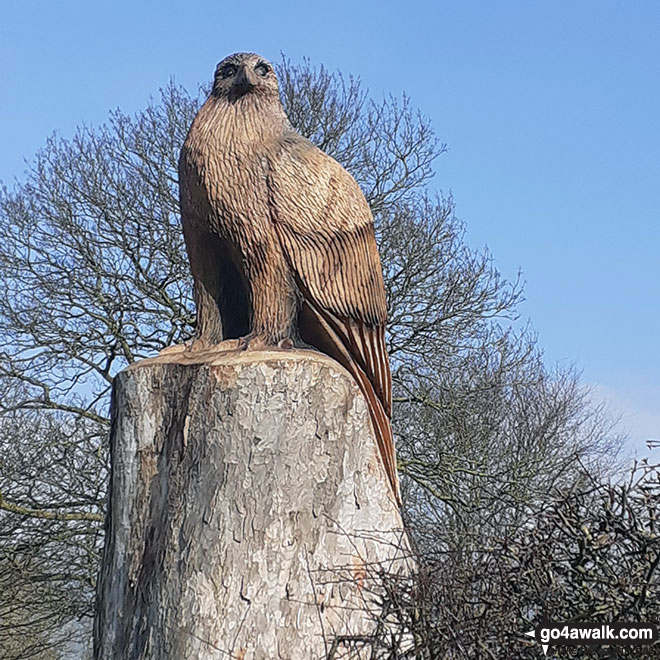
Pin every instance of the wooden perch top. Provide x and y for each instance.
(213, 357)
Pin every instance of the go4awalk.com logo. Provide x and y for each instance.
(579, 633)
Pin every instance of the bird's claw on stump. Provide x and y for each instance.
(248, 343)
(251, 343)
(197, 344)
(259, 343)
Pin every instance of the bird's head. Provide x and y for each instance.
(244, 74)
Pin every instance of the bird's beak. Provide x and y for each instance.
(244, 81)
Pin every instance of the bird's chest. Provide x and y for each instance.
(234, 181)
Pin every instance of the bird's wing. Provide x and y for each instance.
(325, 227)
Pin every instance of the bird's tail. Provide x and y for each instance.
(324, 331)
(382, 428)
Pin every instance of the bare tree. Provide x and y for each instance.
(589, 553)
(96, 277)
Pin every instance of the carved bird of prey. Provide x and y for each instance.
(281, 239)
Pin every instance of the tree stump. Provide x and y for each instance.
(249, 511)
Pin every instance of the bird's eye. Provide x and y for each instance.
(228, 71)
(262, 69)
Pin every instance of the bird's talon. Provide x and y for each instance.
(177, 349)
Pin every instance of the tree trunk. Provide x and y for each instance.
(249, 511)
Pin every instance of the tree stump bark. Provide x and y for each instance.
(249, 511)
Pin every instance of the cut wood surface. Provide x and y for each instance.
(249, 511)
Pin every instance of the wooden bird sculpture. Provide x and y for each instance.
(281, 239)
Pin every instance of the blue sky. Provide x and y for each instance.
(550, 111)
